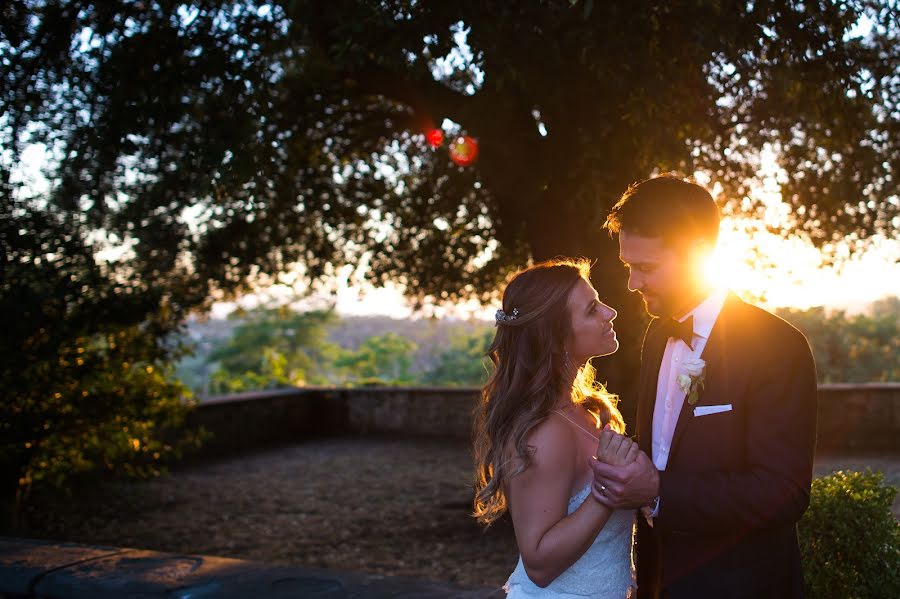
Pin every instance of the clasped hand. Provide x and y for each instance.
(624, 477)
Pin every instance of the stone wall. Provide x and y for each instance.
(246, 420)
(854, 418)
(859, 418)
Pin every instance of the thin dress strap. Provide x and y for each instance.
(593, 436)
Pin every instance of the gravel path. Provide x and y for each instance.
(385, 506)
(379, 505)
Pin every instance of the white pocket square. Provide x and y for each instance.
(707, 410)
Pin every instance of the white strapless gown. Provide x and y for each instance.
(605, 571)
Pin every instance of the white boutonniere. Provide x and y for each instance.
(693, 379)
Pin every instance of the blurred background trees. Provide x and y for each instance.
(270, 348)
(849, 348)
(464, 362)
(857, 348)
(381, 359)
(274, 348)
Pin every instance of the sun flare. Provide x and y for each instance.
(777, 271)
(756, 260)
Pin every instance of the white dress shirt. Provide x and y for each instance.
(669, 396)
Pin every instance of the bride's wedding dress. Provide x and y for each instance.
(605, 571)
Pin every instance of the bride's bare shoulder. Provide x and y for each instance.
(550, 444)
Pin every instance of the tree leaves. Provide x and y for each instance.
(251, 115)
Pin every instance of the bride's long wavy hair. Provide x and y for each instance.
(531, 370)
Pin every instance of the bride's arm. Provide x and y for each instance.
(549, 540)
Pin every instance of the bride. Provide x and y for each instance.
(538, 424)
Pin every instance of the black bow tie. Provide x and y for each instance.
(679, 330)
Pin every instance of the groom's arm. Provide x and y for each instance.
(779, 443)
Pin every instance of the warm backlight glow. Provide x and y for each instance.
(755, 259)
(778, 271)
(760, 265)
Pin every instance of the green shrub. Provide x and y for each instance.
(849, 538)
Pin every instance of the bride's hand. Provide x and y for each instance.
(616, 449)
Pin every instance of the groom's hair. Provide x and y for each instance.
(666, 206)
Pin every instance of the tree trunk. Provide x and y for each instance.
(560, 229)
(10, 508)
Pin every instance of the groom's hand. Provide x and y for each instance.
(630, 486)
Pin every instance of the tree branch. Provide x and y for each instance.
(429, 99)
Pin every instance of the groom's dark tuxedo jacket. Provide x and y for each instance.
(736, 482)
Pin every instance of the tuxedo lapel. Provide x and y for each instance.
(719, 375)
(651, 359)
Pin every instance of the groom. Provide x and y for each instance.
(726, 413)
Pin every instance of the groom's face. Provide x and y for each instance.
(660, 273)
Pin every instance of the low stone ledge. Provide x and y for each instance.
(859, 418)
(855, 418)
(50, 570)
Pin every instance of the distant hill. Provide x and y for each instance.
(431, 335)
(856, 347)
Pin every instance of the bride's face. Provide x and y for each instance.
(591, 325)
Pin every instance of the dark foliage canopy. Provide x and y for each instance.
(292, 131)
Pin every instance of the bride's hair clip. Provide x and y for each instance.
(502, 316)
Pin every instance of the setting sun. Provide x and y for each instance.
(788, 272)
(757, 260)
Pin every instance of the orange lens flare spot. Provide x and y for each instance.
(464, 150)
